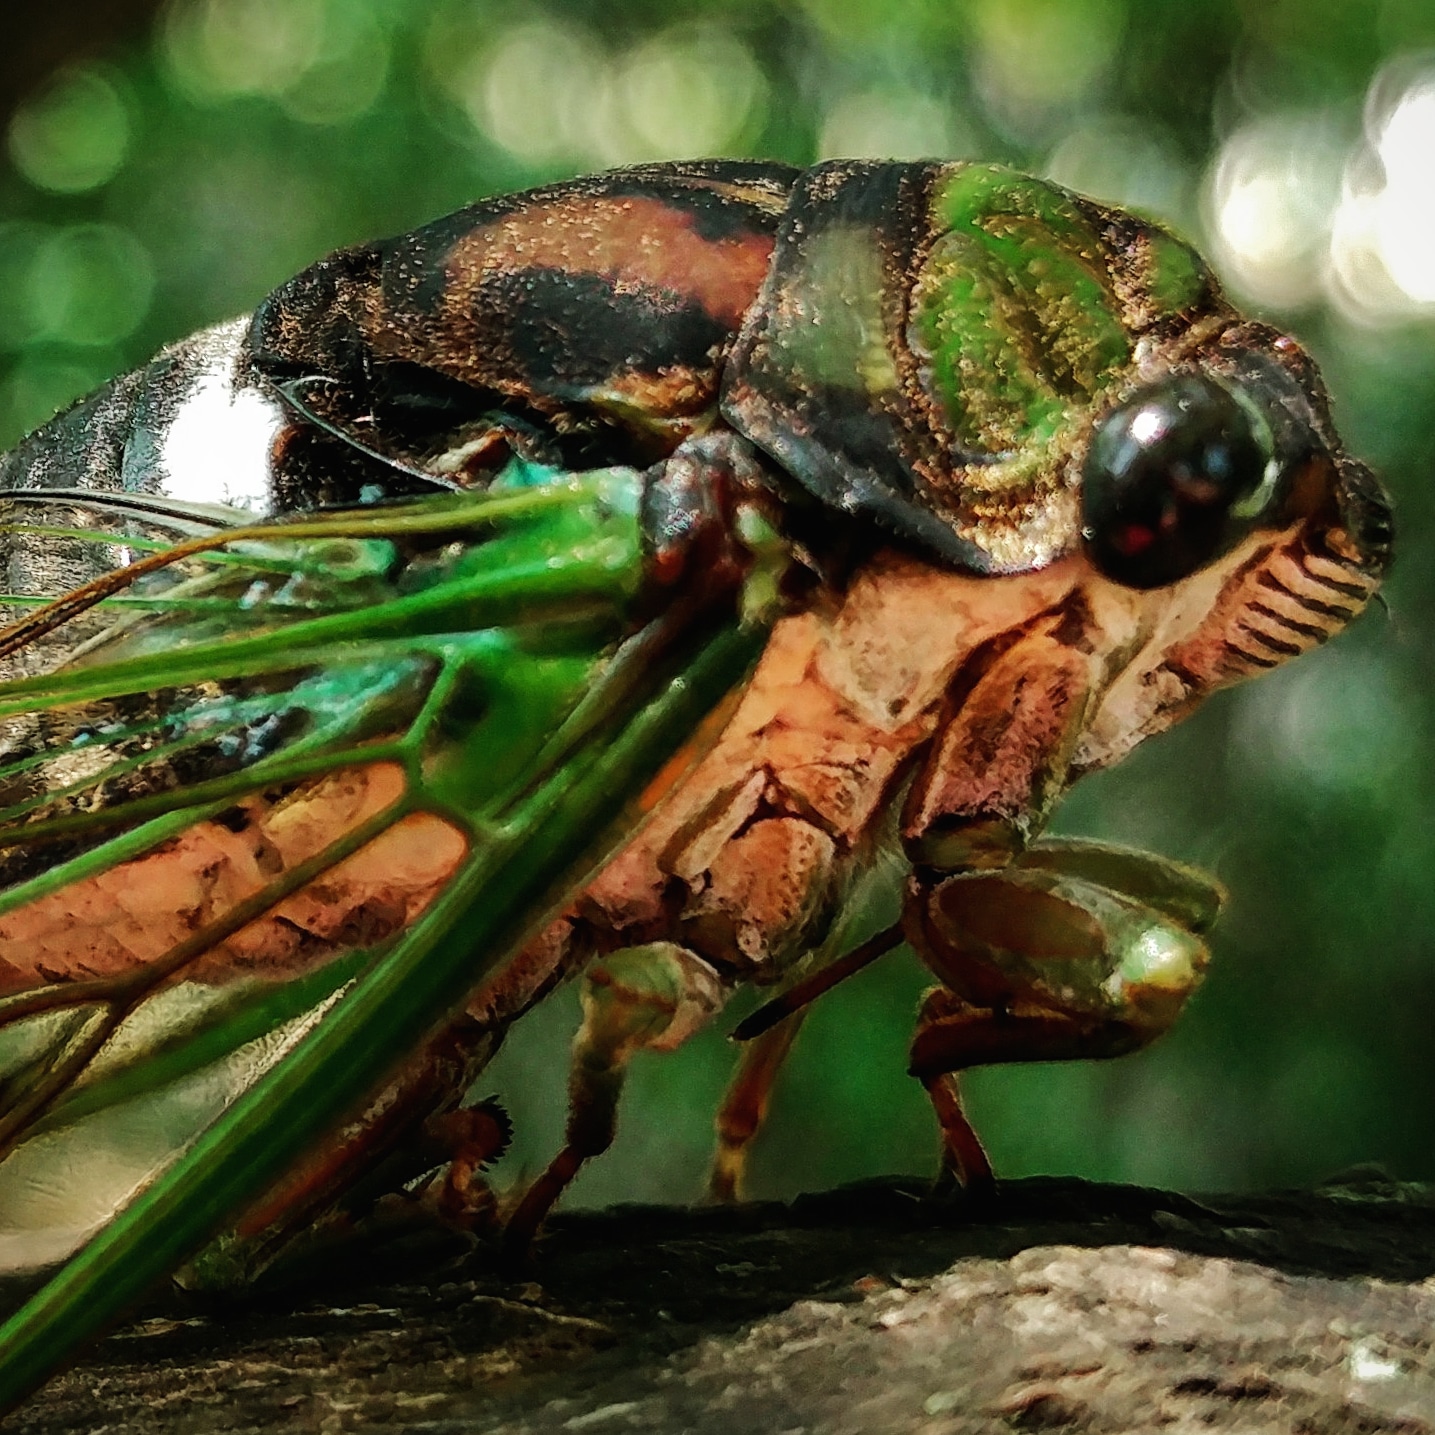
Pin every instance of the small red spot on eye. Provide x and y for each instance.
(1133, 539)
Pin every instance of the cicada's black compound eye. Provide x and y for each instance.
(1174, 476)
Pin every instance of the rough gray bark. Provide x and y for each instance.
(1063, 1306)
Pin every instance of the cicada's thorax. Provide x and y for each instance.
(587, 323)
(927, 710)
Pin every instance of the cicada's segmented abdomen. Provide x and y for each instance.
(582, 324)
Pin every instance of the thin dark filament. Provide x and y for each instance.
(822, 980)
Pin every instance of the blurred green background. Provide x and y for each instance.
(173, 178)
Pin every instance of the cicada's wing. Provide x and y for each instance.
(178, 800)
(308, 788)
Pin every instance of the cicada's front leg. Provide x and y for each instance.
(1002, 753)
(1077, 950)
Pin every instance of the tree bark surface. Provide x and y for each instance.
(1062, 1306)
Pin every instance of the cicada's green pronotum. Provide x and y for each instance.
(353, 640)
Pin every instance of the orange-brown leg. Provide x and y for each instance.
(964, 1159)
(744, 1108)
(954, 1035)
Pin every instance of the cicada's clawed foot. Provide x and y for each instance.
(964, 1160)
(470, 1137)
(642, 998)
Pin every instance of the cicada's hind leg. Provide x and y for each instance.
(642, 998)
(1077, 951)
(954, 1035)
(413, 1155)
(744, 1108)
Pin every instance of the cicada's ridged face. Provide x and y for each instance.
(1216, 487)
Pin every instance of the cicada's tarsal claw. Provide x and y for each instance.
(1077, 950)
(649, 998)
(964, 1159)
(470, 1138)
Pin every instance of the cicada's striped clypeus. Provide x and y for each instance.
(378, 663)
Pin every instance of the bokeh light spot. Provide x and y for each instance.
(533, 88)
(1038, 56)
(345, 81)
(688, 93)
(1119, 160)
(89, 284)
(890, 124)
(1382, 266)
(20, 241)
(1407, 220)
(550, 93)
(217, 49)
(1271, 193)
(73, 135)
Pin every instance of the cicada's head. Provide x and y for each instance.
(1027, 386)
(1003, 373)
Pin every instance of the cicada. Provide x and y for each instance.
(662, 580)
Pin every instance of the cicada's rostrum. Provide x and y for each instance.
(622, 581)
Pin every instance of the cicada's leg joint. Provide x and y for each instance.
(642, 998)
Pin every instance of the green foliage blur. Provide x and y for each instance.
(175, 182)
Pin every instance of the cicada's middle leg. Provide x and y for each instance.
(648, 998)
(1077, 950)
(744, 1107)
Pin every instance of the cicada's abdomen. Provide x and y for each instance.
(178, 447)
(596, 315)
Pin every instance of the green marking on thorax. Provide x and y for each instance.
(1014, 309)
(1176, 277)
